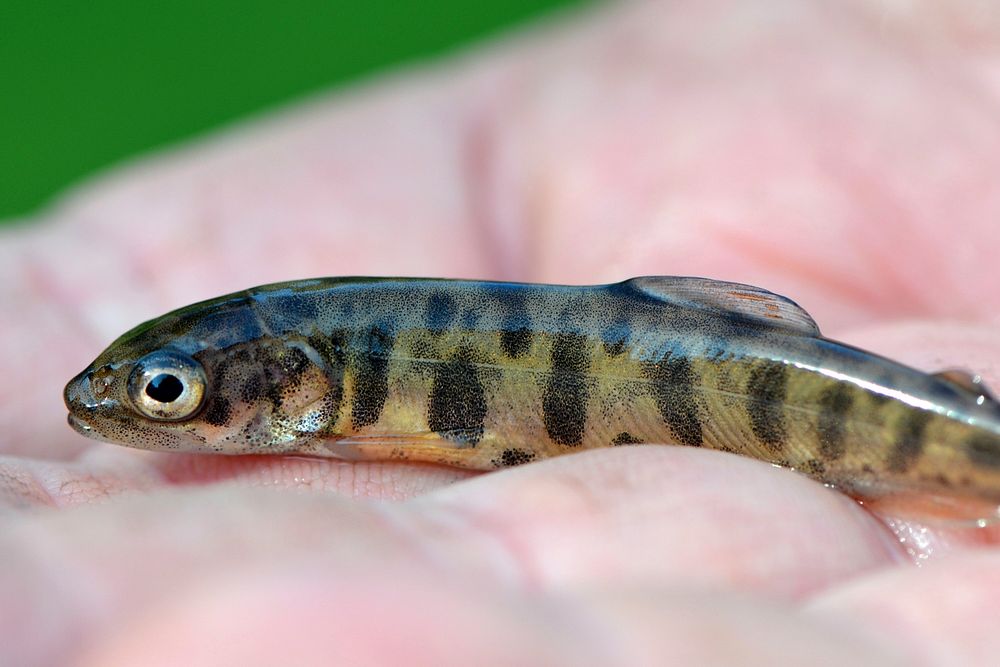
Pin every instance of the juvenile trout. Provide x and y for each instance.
(486, 375)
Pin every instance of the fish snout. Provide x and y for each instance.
(78, 393)
(84, 395)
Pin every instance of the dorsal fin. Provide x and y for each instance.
(753, 303)
(966, 381)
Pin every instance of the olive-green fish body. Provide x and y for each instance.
(485, 375)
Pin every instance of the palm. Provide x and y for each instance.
(818, 161)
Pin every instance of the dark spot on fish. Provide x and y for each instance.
(371, 384)
(515, 326)
(909, 441)
(813, 467)
(292, 308)
(615, 338)
(834, 404)
(717, 350)
(615, 348)
(348, 306)
(470, 318)
(252, 389)
(457, 403)
(230, 326)
(629, 291)
(513, 457)
(293, 364)
(273, 389)
(878, 399)
(217, 411)
(674, 383)
(515, 342)
(564, 401)
(379, 341)
(983, 450)
(441, 311)
(229, 358)
(626, 438)
(766, 389)
(221, 370)
(332, 350)
(423, 348)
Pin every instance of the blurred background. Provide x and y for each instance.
(84, 85)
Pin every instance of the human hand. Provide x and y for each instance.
(843, 157)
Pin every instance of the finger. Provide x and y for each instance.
(79, 574)
(323, 617)
(606, 518)
(670, 514)
(106, 472)
(946, 611)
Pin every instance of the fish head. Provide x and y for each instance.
(207, 378)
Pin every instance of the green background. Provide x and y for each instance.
(84, 84)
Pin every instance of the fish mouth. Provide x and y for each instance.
(80, 426)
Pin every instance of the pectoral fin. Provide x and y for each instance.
(422, 447)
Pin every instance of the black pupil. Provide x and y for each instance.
(164, 388)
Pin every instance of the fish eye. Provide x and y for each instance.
(167, 386)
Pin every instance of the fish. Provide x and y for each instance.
(486, 375)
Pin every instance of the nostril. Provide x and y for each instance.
(98, 385)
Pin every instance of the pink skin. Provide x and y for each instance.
(844, 154)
